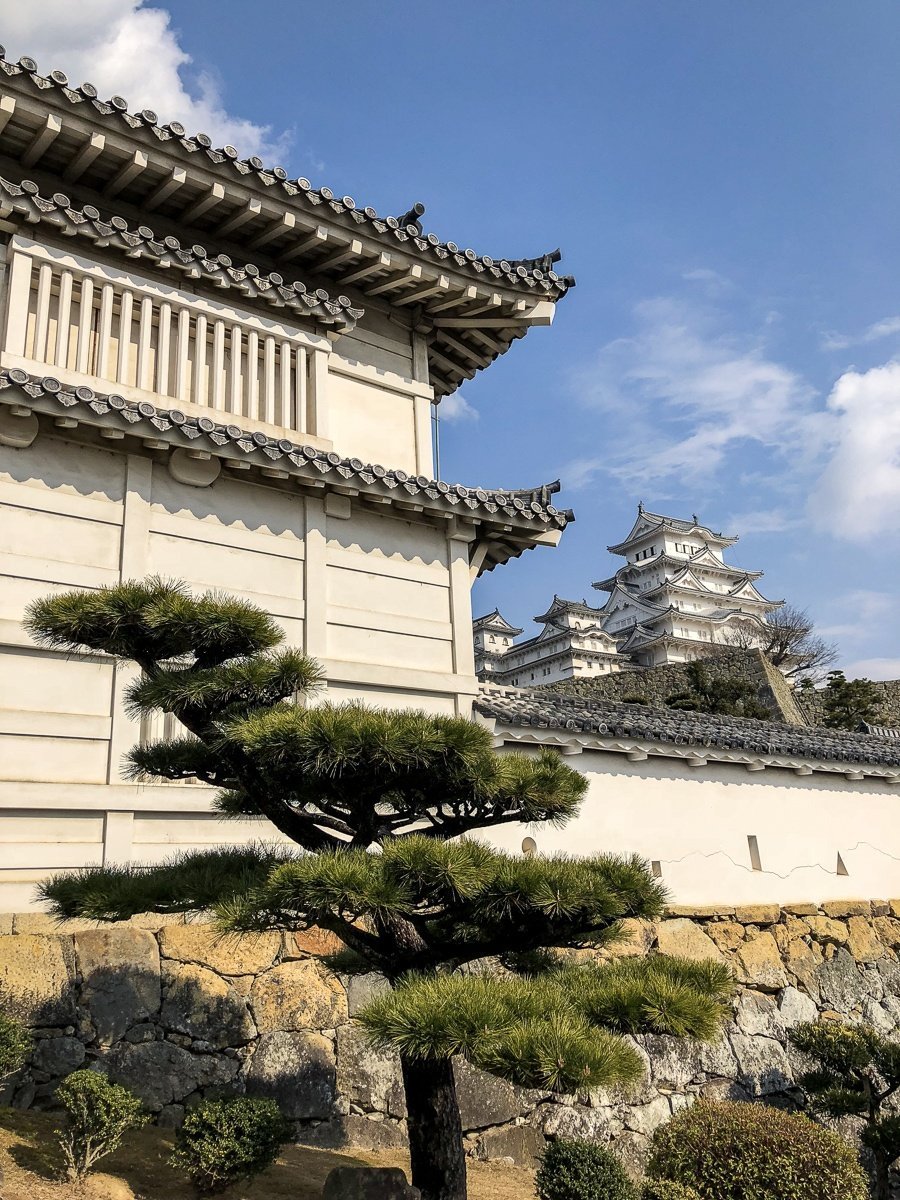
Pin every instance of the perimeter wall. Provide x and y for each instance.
(178, 1016)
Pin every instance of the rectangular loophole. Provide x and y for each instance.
(656, 868)
(755, 862)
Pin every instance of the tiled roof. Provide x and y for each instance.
(167, 252)
(535, 276)
(527, 511)
(544, 709)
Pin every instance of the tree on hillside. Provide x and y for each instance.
(789, 640)
(371, 800)
(726, 695)
(847, 703)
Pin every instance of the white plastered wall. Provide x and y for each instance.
(381, 601)
(696, 823)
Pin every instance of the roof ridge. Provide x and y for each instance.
(527, 272)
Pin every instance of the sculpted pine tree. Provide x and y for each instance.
(371, 800)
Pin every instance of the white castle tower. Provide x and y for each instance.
(675, 594)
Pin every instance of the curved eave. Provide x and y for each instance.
(499, 524)
(469, 307)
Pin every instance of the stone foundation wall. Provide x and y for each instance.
(888, 692)
(178, 1016)
(655, 684)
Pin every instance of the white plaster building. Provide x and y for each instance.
(674, 597)
(676, 590)
(571, 645)
(202, 365)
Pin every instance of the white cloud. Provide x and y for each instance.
(684, 392)
(858, 494)
(887, 327)
(456, 407)
(874, 668)
(128, 49)
(762, 520)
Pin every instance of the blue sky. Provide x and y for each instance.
(723, 180)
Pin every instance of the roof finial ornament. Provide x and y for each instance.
(640, 506)
(412, 217)
(695, 518)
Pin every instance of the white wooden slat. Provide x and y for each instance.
(300, 389)
(163, 348)
(42, 313)
(285, 415)
(252, 388)
(269, 382)
(216, 397)
(237, 376)
(126, 305)
(200, 335)
(18, 304)
(104, 329)
(64, 320)
(85, 325)
(182, 354)
(145, 333)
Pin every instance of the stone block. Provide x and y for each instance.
(800, 910)
(368, 1183)
(880, 908)
(58, 1056)
(202, 1005)
(802, 962)
(895, 908)
(758, 963)
(484, 1099)
(522, 1143)
(887, 930)
(645, 1118)
(576, 1121)
(698, 911)
(367, 1077)
(298, 995)
(795, 1007)
(354, 1131)
(861, 940)
(161, 1073)
(759, 1015)
(229, 954)
(826, 929)
(847, 908)
(841, 985)
(684, 938)
(638, 938)
(727, 935)
(297, 1070)
(763, 1067)
(363, 988)
(315, 943)
(42, 922)
(37, 974)
(121, 985)
(6, 923)
(757, 914)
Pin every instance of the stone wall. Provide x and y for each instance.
(654, 684)
(178, 1016)
(888, 691)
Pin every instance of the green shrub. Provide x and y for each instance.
(734, 1151)
(98, 1114)
(666, 1189)
(14, 1043)
(223, 1141)
(574, 1170)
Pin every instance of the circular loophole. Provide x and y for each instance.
(529, 846)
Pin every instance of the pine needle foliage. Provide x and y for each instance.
(856, 1073)
(373, 807)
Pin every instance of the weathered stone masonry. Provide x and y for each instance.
(178, 1016)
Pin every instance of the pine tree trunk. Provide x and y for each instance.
(882, 1189)
(435, 1131)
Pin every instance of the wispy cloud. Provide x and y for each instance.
(887, 327)
(130, 49)
(874, 668)
(687, 391)
(456, 407)
(763, 520)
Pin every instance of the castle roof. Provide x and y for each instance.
(469, 307)
(610, 725)
(512, 521)
(559, 605)
(494, 622)
(648, 524)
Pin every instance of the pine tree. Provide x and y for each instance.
(848, 703)
(377, 804)
(857, 1073)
